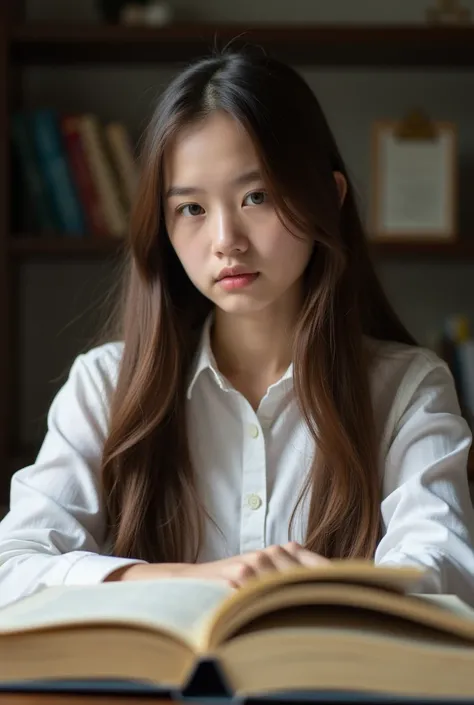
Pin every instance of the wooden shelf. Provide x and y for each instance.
(349, 45)
(461, 250)
(26, 247)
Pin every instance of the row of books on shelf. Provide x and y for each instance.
(457, 349)
(73, 175)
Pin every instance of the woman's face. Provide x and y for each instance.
(222, 224)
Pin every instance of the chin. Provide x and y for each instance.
(241, 305)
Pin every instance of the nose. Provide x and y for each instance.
(228, 234)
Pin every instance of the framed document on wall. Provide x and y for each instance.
(414, 180)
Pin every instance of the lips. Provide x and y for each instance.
(230, 272)
(237, 282)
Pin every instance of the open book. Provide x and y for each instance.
(348, 626)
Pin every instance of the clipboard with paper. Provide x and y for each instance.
(414, 180)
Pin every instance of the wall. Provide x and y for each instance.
(422, 292)
(261, 10)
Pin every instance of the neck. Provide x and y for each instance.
(255, 346)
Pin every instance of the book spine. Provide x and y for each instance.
(465, 351)
(456, 332)
(30, 172)
(123, 156)
(82, 176)
(103, 174)
(51, 151)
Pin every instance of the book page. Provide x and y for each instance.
(344, 584)
(452, 603)
(175, 605)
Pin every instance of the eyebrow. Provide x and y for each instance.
(245, 178)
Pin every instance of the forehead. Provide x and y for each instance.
(216, 145)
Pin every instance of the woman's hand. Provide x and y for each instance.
(234, 571)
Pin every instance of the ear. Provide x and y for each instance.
(341, 184)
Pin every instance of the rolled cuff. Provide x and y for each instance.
(92, 568)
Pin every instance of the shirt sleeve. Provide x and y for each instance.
(427, 513)
(55, 530)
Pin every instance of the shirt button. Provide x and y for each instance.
(253, 429)
(254, 501)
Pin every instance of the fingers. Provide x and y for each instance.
(306, 558)
(241, 572)
(259, 563)
(282, 558)
(275, 558)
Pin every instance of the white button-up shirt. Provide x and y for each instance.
(250, 466)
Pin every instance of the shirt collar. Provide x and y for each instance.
(205, 360)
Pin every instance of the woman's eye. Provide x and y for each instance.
(191, 209)
(256, 198)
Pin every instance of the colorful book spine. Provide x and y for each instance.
(456, 351)
(123, 158)
(465, 351)
(32, 182)
(104, 176)
(90, 199)
(54, 163)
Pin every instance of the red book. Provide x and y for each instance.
(81, 173)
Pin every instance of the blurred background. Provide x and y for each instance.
(78, 81)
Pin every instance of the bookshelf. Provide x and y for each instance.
(25, 247)
(23, 45)
(5, 327)
(326, 45)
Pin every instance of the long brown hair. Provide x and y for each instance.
(154, 512)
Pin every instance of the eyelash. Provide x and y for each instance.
(180, 209)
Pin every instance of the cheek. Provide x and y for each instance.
(191, 255)
(287, 251)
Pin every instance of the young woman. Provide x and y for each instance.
(263, 406)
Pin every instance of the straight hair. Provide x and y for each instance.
(153, 508)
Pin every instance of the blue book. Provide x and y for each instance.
(32, 185)
(48, 139)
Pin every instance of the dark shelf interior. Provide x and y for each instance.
(461, 249)
(348, 45)
(23, 247)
